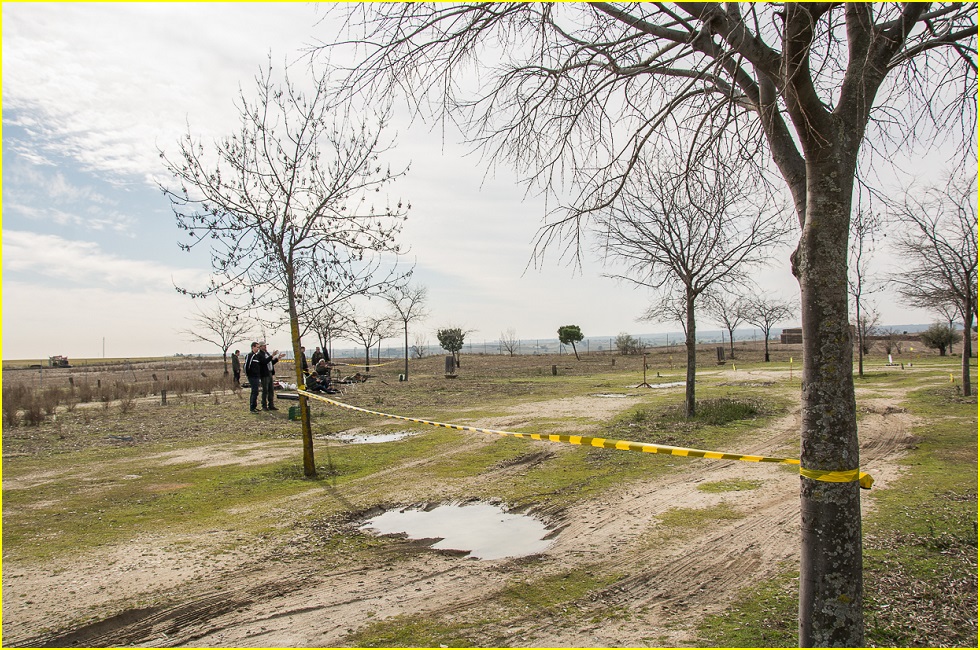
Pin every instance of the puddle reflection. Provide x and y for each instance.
(486, 531)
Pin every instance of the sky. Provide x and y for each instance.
(93, 92)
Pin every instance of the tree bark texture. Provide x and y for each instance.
(691, 342)
(831, 563)
(309, 464)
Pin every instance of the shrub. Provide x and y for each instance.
(940, 336)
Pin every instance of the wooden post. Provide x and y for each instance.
(554, 371)
(163, 397)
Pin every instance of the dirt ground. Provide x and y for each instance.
(224, 590)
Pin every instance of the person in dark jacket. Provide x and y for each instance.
(236, 369)
(268, 374)
(253, 370)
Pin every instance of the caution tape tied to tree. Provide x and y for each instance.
(864, 480)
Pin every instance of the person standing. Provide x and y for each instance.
(236, 369)
(268, 373)
(317, 355)
(253, 370)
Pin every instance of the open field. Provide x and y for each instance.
(131, 522)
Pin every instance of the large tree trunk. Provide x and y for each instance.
(830, 554)
(691, 343)
(309, 465)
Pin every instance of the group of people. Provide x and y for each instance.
(260, 370)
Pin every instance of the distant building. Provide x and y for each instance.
(791, 335)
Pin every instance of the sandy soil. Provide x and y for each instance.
(197, 592)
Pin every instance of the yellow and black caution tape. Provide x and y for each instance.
(363, 365)
(352, 365)
(865, 480)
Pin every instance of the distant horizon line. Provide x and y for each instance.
(541, 345)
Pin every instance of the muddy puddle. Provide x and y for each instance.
(613, 395)
(669, 384)
(485, 531)
(369, 438)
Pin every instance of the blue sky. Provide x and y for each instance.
(92, 92)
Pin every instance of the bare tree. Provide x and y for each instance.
(864, 226)
(286, 206)
(420, 347)
(510, 342)
(409, 305)
(327, 324)
(221, 327)
(681, 233)
(764, 312)
(728, 309)
(868, 327)
(950, 312)
(571, 93)
(370, 331)
(939, 249)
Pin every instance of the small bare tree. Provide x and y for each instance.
(420, 347)
(864, 226)
(287, 206)
(939, 248)
(221, 327)
(369, 331)
(728, 309)
(764, 312)
(949, 312)
(327, 323)
(682, 233)
(509, 341)
(409, 305)
(868, 327)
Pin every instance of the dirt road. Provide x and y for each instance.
(167, 592)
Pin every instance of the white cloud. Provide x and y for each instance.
(83, 262)
(39, 321)
(109, 84)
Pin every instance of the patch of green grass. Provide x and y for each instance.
(732, 485)
(411, 632)
(921, 544)
(698, 518)
(920, 551)
(717, 423)
(478, 460)
(67, 514)
(763, 617)
(552, 591)
(53, 519)
(547, 595)
(724, 410)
